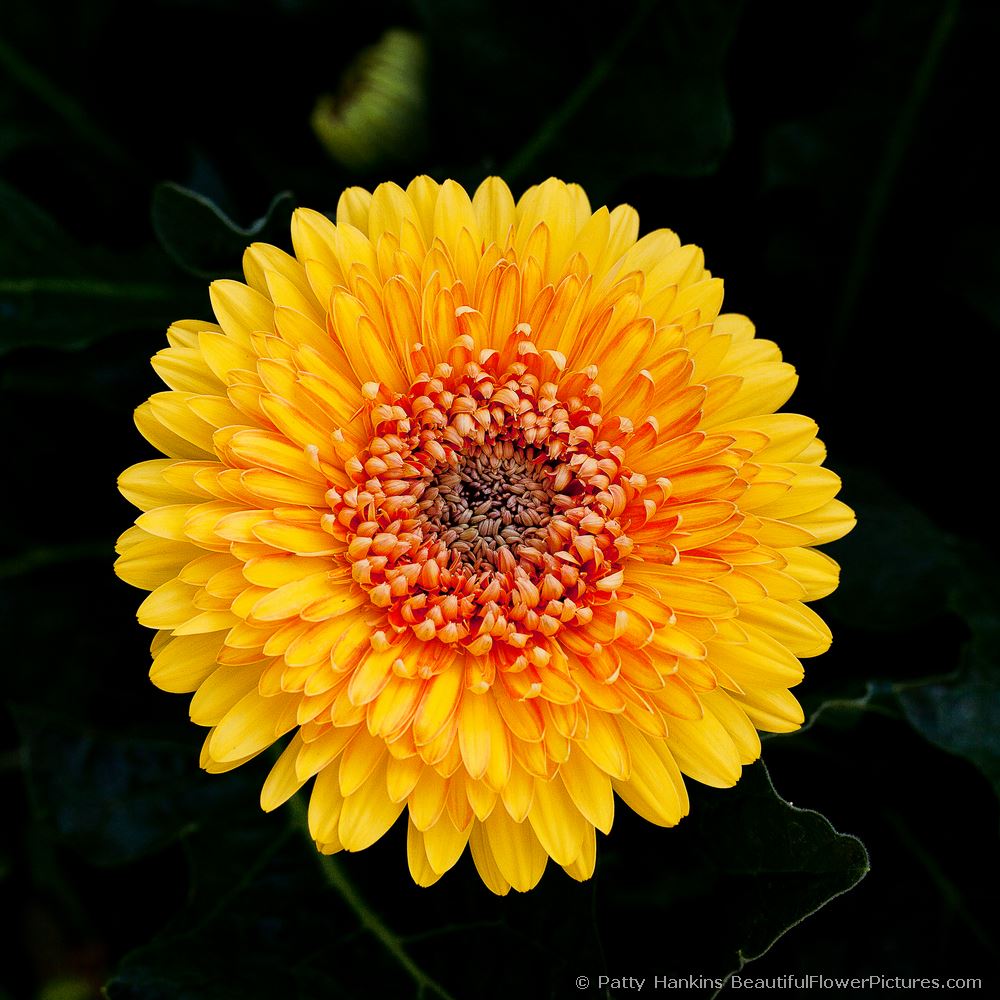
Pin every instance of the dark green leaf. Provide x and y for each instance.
(643, 93)
(898, 567)
(33, 239)
(769, 863)
(640, 120)
(261, 924)
(962, 717)
(73, 312)
(790, 861)
(206, 242)
(55, 292)
(899, 570)
(262, 914)
(116, 798)
(962, 714)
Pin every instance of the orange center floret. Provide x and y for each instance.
(486, 509)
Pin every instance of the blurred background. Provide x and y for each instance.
(833, 162)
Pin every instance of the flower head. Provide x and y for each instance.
(488, 506)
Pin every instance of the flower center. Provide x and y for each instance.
(486, 509)
(492, 508)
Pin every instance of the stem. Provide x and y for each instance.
(335, 877)
(892, 158)
(555, 123)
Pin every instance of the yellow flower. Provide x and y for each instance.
(488, 505)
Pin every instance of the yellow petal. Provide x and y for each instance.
(402, 775)
(517, 793)
(368, 812)
(174, 411)
(444, 844)
(550, 202)
(795, 625)
(516, 850)
(300, 539)
(151, 427)
(771, 710)
(762, 661)
(590, 789)
(494, 207)
(811, 488)
(428, 798)
(169, 606)
(705, 751)
(253, 723)
(486, 864)
(395, 706)
(828, 523)
(416, 857)
(453, 212)
(325, 806)
(291, 599)
(605, 745)
(557, 822)
(352, 208)
(314, 237)
(816, 571)
(185, 368)
(184, 662)
(583, 868)
(282, 782)
(741, 730)
(319, 754)
(222, 689)
(363, 757)
(765, 388)
(650, 790)
(153, 561)
(240, 310)
(389, 207)
(144, 486)
(268, 450)
(439, 703)
(372, 675)
(474, 732)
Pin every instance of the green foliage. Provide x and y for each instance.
(647, 96)
(788, 862)
(773, 864)
(203, 240)
(55, 292)
(962, 717)
(962, 713)
(900, 566)
(117, 797)
(902, 571)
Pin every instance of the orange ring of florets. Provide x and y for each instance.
(484, 512)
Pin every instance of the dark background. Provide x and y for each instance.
(832, 161)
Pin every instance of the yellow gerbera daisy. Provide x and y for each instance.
(487, 504)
